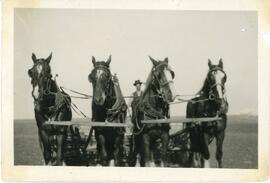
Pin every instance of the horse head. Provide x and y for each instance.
(163, 77)
(216, 78)
(100, 78)
(40, 75)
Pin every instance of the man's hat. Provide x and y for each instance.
(137, 82)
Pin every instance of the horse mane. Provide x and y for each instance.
(147, 84)
(205, 88)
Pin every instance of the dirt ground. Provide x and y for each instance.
(240, 149)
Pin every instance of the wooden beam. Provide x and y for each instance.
(86, 123)
(180, 121)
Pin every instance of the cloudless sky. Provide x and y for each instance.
(188, 38)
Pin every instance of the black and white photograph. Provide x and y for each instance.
(142, 88)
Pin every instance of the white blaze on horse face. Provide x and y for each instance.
(99, 73)
(39, 69)
(35, 92)
(218, 78)
(103, 96)
(169, 78)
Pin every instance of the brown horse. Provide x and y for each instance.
(153, 104)
(108, 105)
(49, 104)
(211, 102)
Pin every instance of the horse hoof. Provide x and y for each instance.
(219, 165)
(111, 163)
(206, 163)
(152, 164)
(137, 164)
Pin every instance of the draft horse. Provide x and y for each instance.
(108, 105)
(49, 104)
(153, 104)
(211, 102)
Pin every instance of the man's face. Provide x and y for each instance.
(138, 87)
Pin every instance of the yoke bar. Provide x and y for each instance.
(180, 121)
(86, 123)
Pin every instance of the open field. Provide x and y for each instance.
(240, 146)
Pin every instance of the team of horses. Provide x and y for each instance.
(108, 104)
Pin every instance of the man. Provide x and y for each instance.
(133, 102)
(138, 91)
(135, 96)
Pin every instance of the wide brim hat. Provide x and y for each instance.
(137, 82)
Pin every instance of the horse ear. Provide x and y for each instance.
(166, 60)
(93, 60)
(109, 60)
(49, 58)
(153, 61)
(34, 58)
(209, 63)
(220, 63)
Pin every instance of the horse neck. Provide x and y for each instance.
(49, 99)
(53, 86)
(205, 89)
(110, 96)
(151, 97)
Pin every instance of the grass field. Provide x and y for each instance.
(240, 149)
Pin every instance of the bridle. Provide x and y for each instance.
(45, 78)
(162, 85)
(107, 71)
(211, 92)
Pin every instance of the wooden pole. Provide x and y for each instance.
(180, 121)
(86, 123)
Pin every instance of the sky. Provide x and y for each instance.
(187, 38)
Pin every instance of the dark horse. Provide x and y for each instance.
(108, 105)
(211, 102)
(153, 104)
(49, 104)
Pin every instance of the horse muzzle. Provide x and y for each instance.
(37, 106)
(99, 100)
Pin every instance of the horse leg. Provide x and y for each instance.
(146, 146)
(196, 160)
(164, 148)
(206, 153)
(118, 149)
(41, 147)
(102, 150)
(59, 160)
(44, 137)
(219, 153)
(152, 159)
